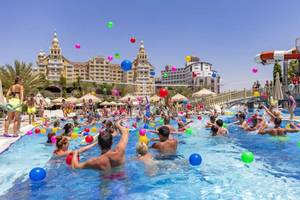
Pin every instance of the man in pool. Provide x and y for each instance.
(218, 128)
(109, 158)
(277, 130)
(165, 145)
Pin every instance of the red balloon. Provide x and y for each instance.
(86, 130)
(132, 39)
(163, 92)
(37, 130)
(89, 139)
(199, 118)
(189, 106)
(69, 158)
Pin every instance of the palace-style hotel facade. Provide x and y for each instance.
(98, 69)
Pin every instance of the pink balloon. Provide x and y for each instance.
(254, 70)
(53, 139)
(77, 46)
(174, 69)
(110, 58)
(142, 132)
(29, 132)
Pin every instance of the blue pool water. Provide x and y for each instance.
(275, 173)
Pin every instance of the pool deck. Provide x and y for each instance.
(6, 142)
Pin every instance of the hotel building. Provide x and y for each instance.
(97, 69)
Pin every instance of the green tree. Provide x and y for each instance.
(293, 68)
(77, 85)
(63, 85)
(32, 81)
(277, 68)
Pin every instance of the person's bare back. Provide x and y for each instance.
(165, 145)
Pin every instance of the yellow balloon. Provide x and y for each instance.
(288, 126)
(43, 119)
(256, 94)
(93, 93)
(43, 131)
(143, 139)
(54, 130)
(94, 129)
(74, 135)
(152, 124)
(188, 58)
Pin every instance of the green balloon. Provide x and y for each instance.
(161, 121)
(247, 157)
(165, 75)
(189, 131)
(76, 129)
(225, 125)
(298, 144)
(117, 55)
(109, 24)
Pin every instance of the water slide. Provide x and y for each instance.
(269, 57)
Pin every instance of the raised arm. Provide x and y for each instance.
(268, 112)
(121, 146)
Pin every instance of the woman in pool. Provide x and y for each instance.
(212, 121)
(68, 129)
(62, 147)
(15, 95)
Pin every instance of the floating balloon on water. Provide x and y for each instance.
(29, 132)
(53, 139)
(199, 118)
(189, 131)
(189, 106)
(74, 135)
(225, 125)
(86, 130)
(146, 126)
(183, 119)
(85, 133)
(163, 92)
(143, 139)
(161, 121)
(110, 58)
(247, 157)
(109, 24)
(298, 144)
(37, 130)
(254, 70)
(89, 139)
(77, 46)
(142, 132)
(126, 65)
(37, 174)
(43, 131)
(152, 124)
(54, 130)
(132, 39)
(195, 159)
(117, 55)
(94, 129)
(76, 129)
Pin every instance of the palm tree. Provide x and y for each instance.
(32, 82)
(277, 68)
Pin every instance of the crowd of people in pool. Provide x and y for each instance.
(114, 123)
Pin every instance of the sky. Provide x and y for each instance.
(226, 33)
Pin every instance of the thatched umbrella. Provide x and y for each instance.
(57, 101)
(154, 98)
(126, 97)
(203, 93)
(90, 96)
(72, 99)
(105, 103)
(178, 98)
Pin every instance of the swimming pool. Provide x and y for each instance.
(275, 173)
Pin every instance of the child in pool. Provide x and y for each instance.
(142, 152)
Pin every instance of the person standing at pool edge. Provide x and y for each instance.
(109, 158)
(15, 95)
(291, 104)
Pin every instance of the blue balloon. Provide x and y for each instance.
(37, 174)
(152, 73)
(126, 65)
(146, 126)
(214, 75)
(183, 119)
(185, 101)
(195, 159)
(148, 114)
(85, 133)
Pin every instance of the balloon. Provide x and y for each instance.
(74, 135)
(225, 125)
(43, 131)
(117, 55)
(37, 130)
(29, 132)
(298, 144)
(189, 106)
(152, 124)
(195, 159)
(165, 75)
(214, 75)
(69, 158)
(132, 39)
(161, 121)
(89, 139)
(109, 24)
(37, 174)
(152, 73)
(76, 129)
(188, 58)
(189, 131)
(110, 58)
(86, 130)
(249, 120)
(199, 118)
(163, 92)
(247, 157)
(126, 65)
(77, 46)
(143, 139)
(174, 69)
(254, 70)
(94, 129)
(148, 114)
(183, 119)
(256, 94)
(54, 130)
(146, 126)
(85, 133)
(185, 101)
(142, 132)
(53, 139)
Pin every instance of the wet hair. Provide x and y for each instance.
(219, 122)
(56, 123)
(214, 129)
(68, 128)
(212, 119)
(142, 149)
(60, 141)
(108, 123)
(105, 140)
(277, 121)
(17, 79)
(242, 116)
(164, 131)
(49, 136)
